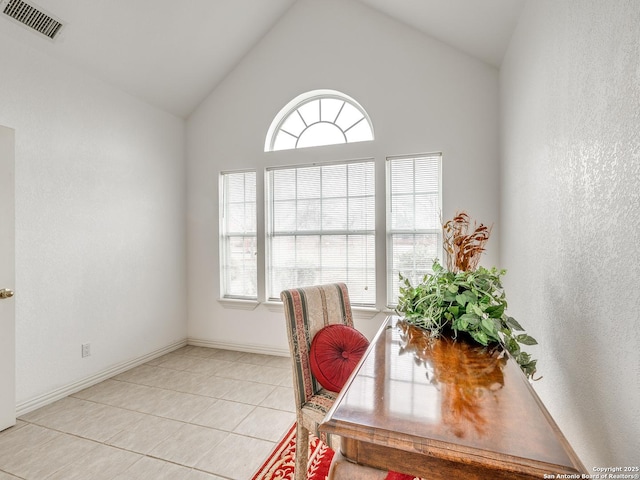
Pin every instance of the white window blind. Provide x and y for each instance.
(238, 243)
(414, 235)
(321, 228)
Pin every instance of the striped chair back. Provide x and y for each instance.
(307, 310)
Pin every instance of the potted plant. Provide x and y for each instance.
(465, 298)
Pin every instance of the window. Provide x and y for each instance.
(238, 235)
(414, 236)
(320, 219)
(321, 117)
(321, 228)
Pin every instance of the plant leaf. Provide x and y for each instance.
(526, 339)
(488, 325)
(471, 318)
(511, 322)
(495, 311)
(462, 300)
(477, 310)
(480, 337)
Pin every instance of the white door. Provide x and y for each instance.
(7, 278)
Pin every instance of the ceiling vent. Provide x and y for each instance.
(33, 17)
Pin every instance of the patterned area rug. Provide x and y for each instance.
(281, 462)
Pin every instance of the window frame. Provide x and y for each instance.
(293, 107)
(391, 301)
(224, 235)
(269, 224)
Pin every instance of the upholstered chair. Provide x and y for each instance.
(307, 311)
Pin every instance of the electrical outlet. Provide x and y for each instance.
(86, 349)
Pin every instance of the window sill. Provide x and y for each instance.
(360, 313)
(238, 304)
(364, 313)
(274, 306)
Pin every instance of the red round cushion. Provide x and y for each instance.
(335, 352)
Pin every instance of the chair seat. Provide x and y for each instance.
(313, 412)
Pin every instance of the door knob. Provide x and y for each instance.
(6, 293)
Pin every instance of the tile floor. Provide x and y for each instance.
(193, 414)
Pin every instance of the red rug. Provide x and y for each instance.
(281, 461)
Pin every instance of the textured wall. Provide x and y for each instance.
(100, 222)
(570, 115)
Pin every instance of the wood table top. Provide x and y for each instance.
(454, 400)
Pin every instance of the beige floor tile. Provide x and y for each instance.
(35, 463)
(281, 398)
(288, 381)
(180, 406)
(223, 415)
(7, 476)
(188, 445)
(160, 377)
(237, 457)
(267, 360)
(102, 463)
(13, 441)
(204, 352)
(153, 469)
(247, 392)
(199, 475)
(228, 355)
(115, 393)
(180, 362)
(206, 385)
(69, 407)
(186, 350)
(266, 423)
(159, 360)
(11, 431)
(58, 406)
(90, 420)
(184, 381)
(144, 374)
(98, 390)
(19, 424)
(141, 398)
(145, 435)
(257, 373)
(136, 397)
(210, 366)
(279, 362)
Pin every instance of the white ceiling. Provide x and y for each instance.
(173, 53)
(481, 28)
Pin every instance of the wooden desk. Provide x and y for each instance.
(445, 410)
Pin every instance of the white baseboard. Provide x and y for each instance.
(240, 347)
(47, 398)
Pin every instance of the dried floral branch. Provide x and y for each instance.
(463, 249)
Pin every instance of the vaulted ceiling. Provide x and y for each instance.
(173, 54)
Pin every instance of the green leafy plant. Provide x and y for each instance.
(460, 299)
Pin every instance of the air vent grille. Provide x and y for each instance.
(32, 17)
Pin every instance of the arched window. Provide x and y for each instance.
(319, 117)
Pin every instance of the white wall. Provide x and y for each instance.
(100, 222)
(422, 96)
(570, 93)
